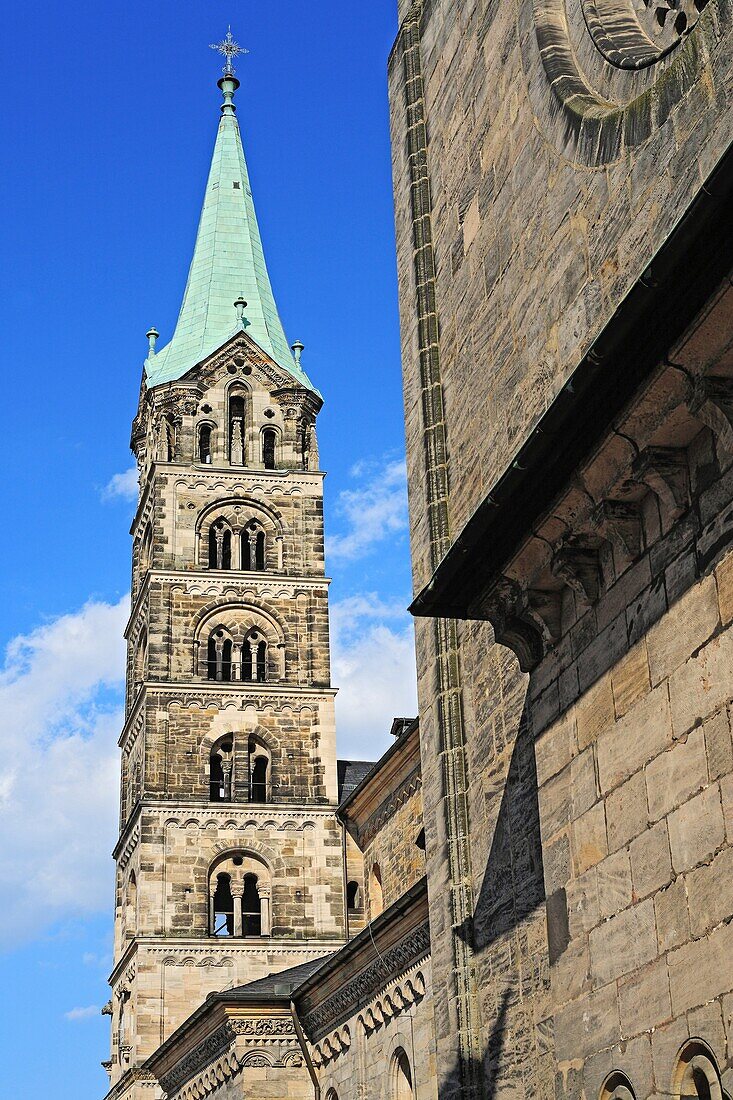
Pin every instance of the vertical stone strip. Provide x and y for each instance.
(445, 639)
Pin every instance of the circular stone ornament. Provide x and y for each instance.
(632, 34)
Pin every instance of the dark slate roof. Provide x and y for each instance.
(350, 775)
(281, 984)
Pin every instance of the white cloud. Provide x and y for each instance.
(61, 716)
(122, 485)
(373, 666)
(374, 511)
(82, 1013)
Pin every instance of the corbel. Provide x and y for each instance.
(619, 522)
(515, 624)
(578, 564)
(711, 400)
(664, 470)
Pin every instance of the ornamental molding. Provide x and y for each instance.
(387, 809)
(202, 1054)
(129, 847)
(210, 695)
(217, 583)
(264, 1025)
(361, 989)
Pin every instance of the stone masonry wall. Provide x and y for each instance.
(537, 233)
(636, 808)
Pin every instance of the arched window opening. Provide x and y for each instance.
(269, 440)
(617, 1086)
(219, 656)
(253, 547)
(254, 658)
(402, 1076)
(146, 547)
(376, 894)
(223, 907)
(332, 1095)
(258, 786)
(169, 439)
(204, 447)
(131, 905)
(141, 658)
(220, 771)
(236, 429)
(420, 840)
(353, 896)
(251, 908)
(696, 1075)
(220, 546)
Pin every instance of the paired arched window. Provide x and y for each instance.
(226, 661)
(237, 421)
(221, 761)
(226, 548)
(204, 443)
(353, 896)
(269, 443)
(376, 894)
(220, 545)
(239, 898)
(401, 1076)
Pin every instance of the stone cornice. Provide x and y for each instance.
(270, 812)
(186, 948)
(393, 943)
(225, 578)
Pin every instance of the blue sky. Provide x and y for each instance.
(108, 122)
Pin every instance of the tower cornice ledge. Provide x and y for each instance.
(201, 947)
(240, 577)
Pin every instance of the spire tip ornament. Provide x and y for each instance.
(229, 50)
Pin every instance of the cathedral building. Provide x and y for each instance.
(242, 847)
(563, 177)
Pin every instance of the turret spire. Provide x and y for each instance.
(228, 262)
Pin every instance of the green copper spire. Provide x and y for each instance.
(228, 267)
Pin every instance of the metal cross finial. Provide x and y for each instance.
(230, 49)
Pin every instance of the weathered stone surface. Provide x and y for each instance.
(696, 830)
(623, 943)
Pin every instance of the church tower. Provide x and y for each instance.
(229, 864)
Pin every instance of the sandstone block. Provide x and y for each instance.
(554, 747)
(718, 746)
(623, 943)
(696, 830)
(674, 775)
(644, 1000)
(670, 909)
(589, 841)
(630, 679)
(703, 684)
(627, 813)
(701, 970)
(613, 878)
(710, 893)
(586, 1024)
(686, 626)
(636, 738)
(594, 711)
(651, 863)
(724, 579)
